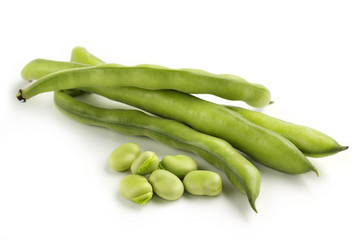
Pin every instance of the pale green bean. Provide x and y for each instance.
(136, 188)
(203, 182)
(180, 165)
(166, 184)
(122, 157)
(145, 163)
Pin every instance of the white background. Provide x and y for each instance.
(54, 178)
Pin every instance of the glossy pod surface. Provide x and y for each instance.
(150, 77)
(241, 173)
(123, 156)
(311, 142)
(263, 145)
(166, 185)
(136, 188)
(180, 165)
(145, 163)
(203, 182)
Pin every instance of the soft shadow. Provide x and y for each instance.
(158, 200)
(237, 199)
(198, 198)
(128, 203)
(297, 180)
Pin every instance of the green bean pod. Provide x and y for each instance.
(241, 173)
(263, 145)
(301, 160)
(311, 142)
(149, 77)
(38, 68)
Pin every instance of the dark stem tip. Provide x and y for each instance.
(20, 97)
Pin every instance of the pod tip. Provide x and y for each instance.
(252, 204)
(20, 97)
(316, 171)
(338, 149)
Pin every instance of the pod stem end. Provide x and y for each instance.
(342, 148)
(20, 97)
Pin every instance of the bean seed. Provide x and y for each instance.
(122, 157)
(180, 165)
(145, 163)
(203, 182)
(136, 188)
(166, 184)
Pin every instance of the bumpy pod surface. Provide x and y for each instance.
(311, 142)
(149, 77)
(241, 173)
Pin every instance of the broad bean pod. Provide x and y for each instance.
(84, 52)
(263, 145)
(150, 77)
(38, 68)
(241, 173)
(311, 142)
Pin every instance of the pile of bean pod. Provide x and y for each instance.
(180, 119)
